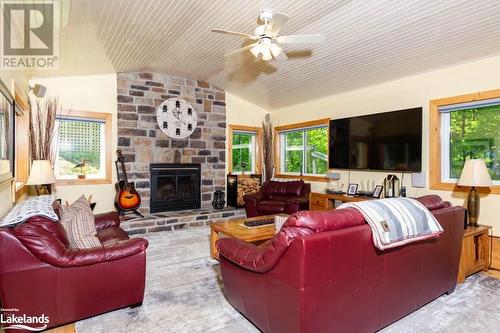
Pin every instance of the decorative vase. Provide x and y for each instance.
(218, 202)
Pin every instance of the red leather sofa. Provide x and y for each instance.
(40, 274)
(278, 197)
(322, 273)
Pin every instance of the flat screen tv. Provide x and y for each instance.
(383, 141)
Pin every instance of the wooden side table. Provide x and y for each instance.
(475, 251)
(326, 201)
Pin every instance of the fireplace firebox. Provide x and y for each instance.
(174, 187)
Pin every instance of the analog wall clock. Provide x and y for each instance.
(176, 118)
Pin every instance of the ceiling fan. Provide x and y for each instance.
(267, 45)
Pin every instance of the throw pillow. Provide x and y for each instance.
(79, 224)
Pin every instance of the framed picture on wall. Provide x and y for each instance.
(377, 191)
(352, 189)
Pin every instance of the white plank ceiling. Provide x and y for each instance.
(368, 41)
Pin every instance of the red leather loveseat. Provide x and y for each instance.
(278, 197)
(40, 274)
(322, 273)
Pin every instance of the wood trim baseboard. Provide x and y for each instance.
(435, 182)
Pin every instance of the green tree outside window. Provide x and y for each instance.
(305, 151)
(243, 152)
(475, 133)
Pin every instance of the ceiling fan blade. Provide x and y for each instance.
(237, 51)
(312, 38)
(234, 33)
(276, 23)
(281, 57)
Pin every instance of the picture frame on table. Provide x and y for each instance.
(377, 191)
(352, 189)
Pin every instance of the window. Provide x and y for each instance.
(244, 149)
(304, 150)
(243, 153)
(82, 148)
(465, 127)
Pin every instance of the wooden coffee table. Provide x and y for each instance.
(236, 229)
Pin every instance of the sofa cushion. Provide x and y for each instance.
(432, 202)
(271, 207)
(325, 221)
(285, 188)
(111, 235)
(78, 221)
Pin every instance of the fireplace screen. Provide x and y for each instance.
(174, 187)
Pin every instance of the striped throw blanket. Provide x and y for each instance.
(397, 221)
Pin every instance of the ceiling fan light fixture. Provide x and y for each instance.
(256, 50)
(266, 54)
(275, 49)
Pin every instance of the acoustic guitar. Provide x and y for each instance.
(127, 198)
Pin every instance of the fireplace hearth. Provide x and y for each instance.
(174, 187)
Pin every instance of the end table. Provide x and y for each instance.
(475, 251)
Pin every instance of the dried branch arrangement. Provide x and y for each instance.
(42, 121)
(268, 149)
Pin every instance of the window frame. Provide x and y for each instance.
(107, 119)
(22, 148)
(436, 181)
(278, 130)
(258, 143)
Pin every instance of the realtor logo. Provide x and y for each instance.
(29, 35)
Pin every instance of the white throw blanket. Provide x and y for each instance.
(397, 221)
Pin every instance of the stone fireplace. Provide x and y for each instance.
(143, 143)
(174, 187)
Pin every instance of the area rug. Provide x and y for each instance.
(184, 293)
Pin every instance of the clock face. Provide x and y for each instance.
(176, 118)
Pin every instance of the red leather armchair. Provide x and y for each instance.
(278, 197)
(40, 274)
(322, 273)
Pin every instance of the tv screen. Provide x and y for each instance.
(382, 141)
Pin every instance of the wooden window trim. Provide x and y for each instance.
(435, 140)
(22, 147)
(258, 144)
(277, 160)
(108, 137)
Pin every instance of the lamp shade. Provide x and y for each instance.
(475, 173)
(41, 173)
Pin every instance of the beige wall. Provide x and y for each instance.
(94, 93)
(409, 92)
(242, 112)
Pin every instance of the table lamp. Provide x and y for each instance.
(41, 174)
(474, 174)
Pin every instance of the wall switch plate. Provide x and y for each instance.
(418, 179)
